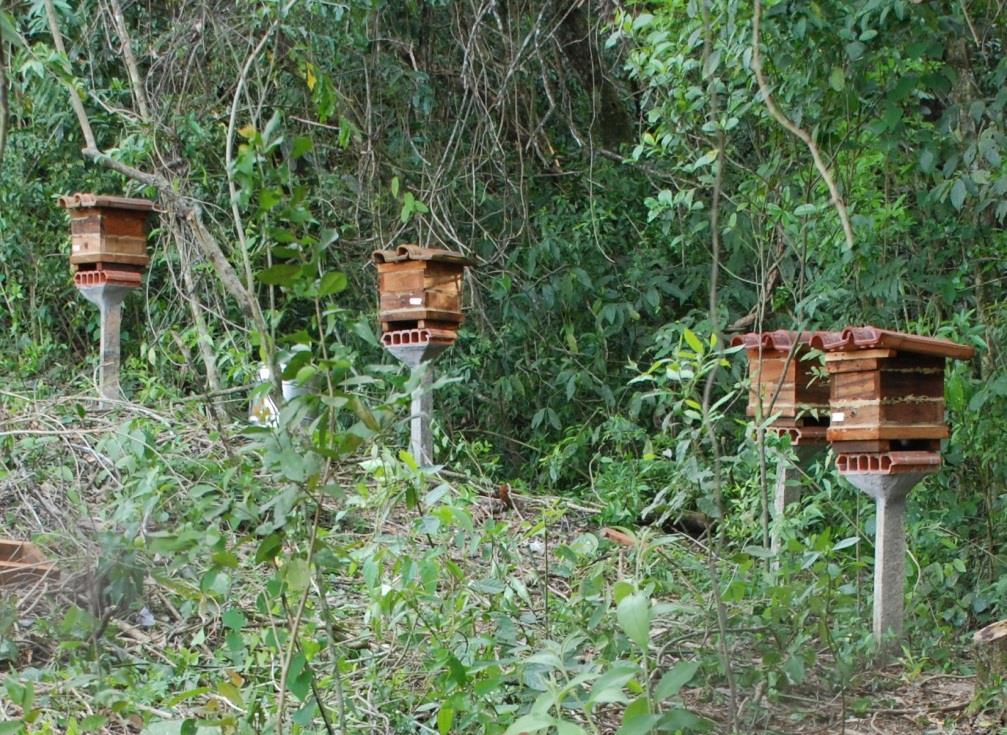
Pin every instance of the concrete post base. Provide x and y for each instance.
(788, 487)
(889, 493)
(108, 298)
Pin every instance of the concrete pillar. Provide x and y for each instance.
(889, 493)
(788, 485)
(419, 358)
(421, 437)
(108, 298)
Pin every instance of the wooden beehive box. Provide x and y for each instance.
(784, 381)
(887, 389)
(107, 231)
(420, 288)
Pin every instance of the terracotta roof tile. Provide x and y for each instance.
(83, 200)
(778, 341)
(415, 252)
(867, 338)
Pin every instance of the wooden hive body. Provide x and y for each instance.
(420, 288)
(107, 231)
(785, 385)
(887, 391)
(785, 381)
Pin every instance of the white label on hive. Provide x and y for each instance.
(415, 301)
(838, 417)
(76, 248)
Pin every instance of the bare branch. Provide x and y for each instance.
(796, 130)
(75, 101)
(3, 100)
(132, 68)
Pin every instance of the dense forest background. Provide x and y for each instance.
(635, 182)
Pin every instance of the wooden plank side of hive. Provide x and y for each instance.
(913, 412)
(124, 249)
(874, 433)
(859, 385)
(124, 222)
(400, 277)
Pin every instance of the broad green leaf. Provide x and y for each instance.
(837, 79)
(707, 158)
(794, 669)
(529, 724)
(958, 194)
(299, 676)
(633, 614)
(637, 719)
(269, 548)
(333, 282)
(9, 31)
(445, 718)
(298, 573)
(680, 675)
(231, 693)
(233, 619)
(759, 552)
(682, 720)
(301, 146)
(608, 687)
(855, 50)
(693, 341)
(846, 542)
(568, 728)
(283, 274)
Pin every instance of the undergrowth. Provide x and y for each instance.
(228, 582)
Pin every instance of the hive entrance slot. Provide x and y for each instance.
(915, 445)
(819, 421)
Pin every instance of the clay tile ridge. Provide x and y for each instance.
(778, 341)
(868, 338)
(82, 200)
(415, 252)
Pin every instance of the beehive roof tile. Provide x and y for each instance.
(780, 340)
(868, 338)
(82, 200)
(415, 252)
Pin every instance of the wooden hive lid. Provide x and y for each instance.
(414, 252)
(83, 200)
(852, 339)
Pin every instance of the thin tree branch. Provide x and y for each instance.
(75, 101)
(229, 156)
(796, 130)
(132, 68)
(3, 100)
(715, 551)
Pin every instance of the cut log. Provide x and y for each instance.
(991, 654)
(23, 563)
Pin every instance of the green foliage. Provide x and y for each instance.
(311, 572)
